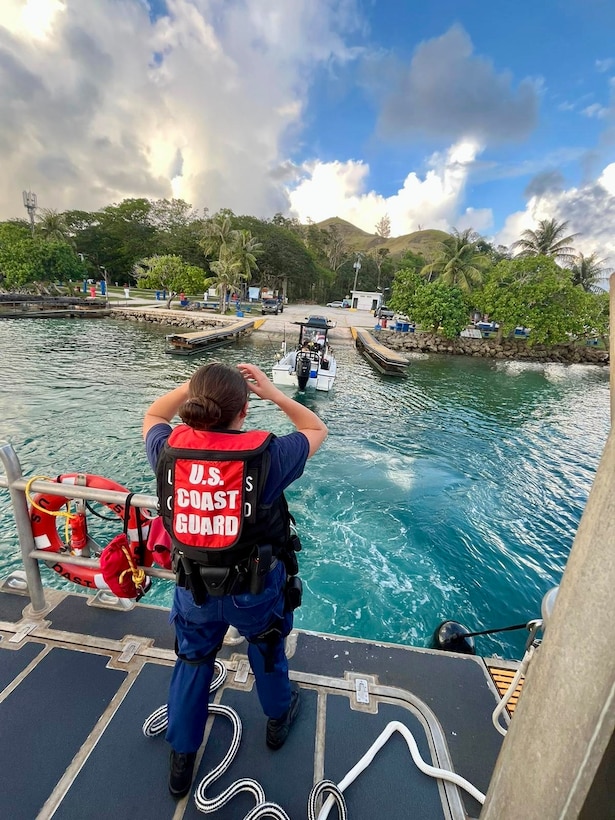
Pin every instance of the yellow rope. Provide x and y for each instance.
(138, 576)
(67, 514)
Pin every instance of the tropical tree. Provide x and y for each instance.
(335, 247)
(406, 283)
(383, 227)
(588, 271)
(246, 248)
(534, 292)
(170, 273)
(52, 226)
(547, 240)
(284, 261)
(459, 262)
(229, 274)
(125, 234)
(28, 262)
(596, 314)
(441, 308)
(217, 232)
(379, 255)
(236, 251)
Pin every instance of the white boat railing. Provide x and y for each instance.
(15, 482)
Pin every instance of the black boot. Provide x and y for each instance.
(278, 728)
(180, 772)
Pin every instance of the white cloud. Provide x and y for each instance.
(434, 201)
(99, 102)
(595, 110)
(607, 179)
(588, 209)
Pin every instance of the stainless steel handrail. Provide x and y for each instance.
(15, 482)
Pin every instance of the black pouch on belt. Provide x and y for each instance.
(289, 558)
(191, 580)
(260, 564)
(294, 593)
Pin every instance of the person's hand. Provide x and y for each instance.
(256, 380)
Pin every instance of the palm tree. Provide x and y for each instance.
(587, 271)
(245, 249)
(228, 274)
(236, 252)
(460, 261)
(218, 232)
(52, 226)
(547, 240)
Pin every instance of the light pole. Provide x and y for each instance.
(357, 268)
(29, 201)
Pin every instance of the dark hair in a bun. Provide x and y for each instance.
(216, 395)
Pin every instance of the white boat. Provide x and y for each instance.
(311, 363)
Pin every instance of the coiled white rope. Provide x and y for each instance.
(336, 797)
(158, 721)
(432, 771)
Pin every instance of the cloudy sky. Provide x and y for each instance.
(460, 113)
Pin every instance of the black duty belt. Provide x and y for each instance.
(247, 576)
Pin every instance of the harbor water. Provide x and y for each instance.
(454, 493)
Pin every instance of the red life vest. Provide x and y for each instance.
(209, 489)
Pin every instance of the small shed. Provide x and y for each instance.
(366, 299)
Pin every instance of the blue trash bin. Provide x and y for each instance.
(240, 313)
(158, 295)
(405, 327)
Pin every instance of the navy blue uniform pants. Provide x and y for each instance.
(200, 630)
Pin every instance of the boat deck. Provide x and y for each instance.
(195, 341)
(382, 357)
(76, 687)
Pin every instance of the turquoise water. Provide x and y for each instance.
(453, 493)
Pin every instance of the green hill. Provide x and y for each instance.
(425, 243)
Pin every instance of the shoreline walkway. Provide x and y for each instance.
(273, 325)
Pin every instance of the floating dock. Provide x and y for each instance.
(186, 344)
(387, 361)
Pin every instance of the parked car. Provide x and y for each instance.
(384, 313)
(270, 306)
(344, 303)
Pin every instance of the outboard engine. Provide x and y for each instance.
(303, 368)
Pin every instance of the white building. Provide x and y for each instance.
(366, 299)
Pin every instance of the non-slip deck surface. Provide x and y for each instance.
(55, 713)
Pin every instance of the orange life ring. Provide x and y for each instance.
(46, 536)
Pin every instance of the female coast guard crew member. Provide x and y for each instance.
(247, 521)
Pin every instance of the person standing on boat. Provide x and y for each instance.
(252, 590)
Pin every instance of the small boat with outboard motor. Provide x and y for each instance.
(312, 362)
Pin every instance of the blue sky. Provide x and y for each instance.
(460, 113)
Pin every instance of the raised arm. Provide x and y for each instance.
(164, 409)
(304, 419)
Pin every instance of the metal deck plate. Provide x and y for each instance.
(71, 713)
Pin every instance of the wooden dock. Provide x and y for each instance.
(387, 361)
(186, 344)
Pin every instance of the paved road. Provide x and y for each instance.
(282, 324)
(276, 325)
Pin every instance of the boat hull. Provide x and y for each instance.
(285, 374)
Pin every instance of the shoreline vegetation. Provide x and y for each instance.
(139, 247)
(419, 342)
